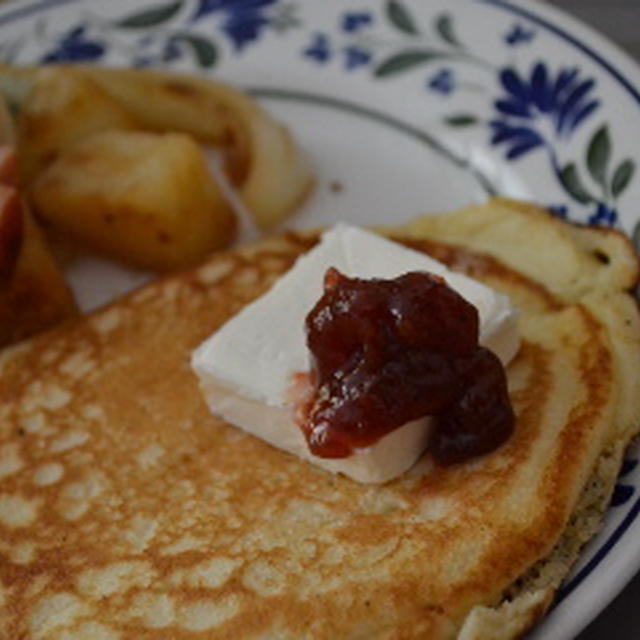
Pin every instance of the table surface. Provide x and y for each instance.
(619, 20)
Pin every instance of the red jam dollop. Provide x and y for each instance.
(385, 352)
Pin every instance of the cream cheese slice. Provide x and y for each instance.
(246, 368)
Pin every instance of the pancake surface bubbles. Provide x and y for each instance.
(128, 511)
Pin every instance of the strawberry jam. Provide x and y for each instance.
(385, 352)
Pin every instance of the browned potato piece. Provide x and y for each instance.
(272, 174)
(262, 159)
(33, 293)
(62, 107)
(170, 102)
(146, 199)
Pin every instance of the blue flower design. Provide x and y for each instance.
(622, 492)
(171, 51)
(604, 216)
(519, 35)
(75, 47)
(559, 211)
(244, 19)
(319, 49)
(205, 7)
(521, 140)
(564, 99)
(442, 82)
(354, 21)
(356, 57)
(244, 28)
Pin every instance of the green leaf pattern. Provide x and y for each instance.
(204, 50)
(598, 156)
(572, 183)
(636, 236)
(406, 60)
(598, 159)
(152, 17)
(401, 18)
(461, 120)
(622, 177)
(444, 26)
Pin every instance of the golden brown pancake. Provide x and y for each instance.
(128, 511)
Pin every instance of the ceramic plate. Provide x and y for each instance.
(405, 107)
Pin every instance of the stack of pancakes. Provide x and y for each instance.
(128, 511)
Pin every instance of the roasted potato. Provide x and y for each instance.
(168, 102)
(262, 159)
(60, 108)
(33, 293)
(146, 199)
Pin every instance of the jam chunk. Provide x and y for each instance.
(385, 352)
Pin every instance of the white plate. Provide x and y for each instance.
(406, 107)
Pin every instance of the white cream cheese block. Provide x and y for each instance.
(246, 368)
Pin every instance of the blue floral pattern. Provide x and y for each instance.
(321, 50)
(318, 48)
(244, 20)
(75, 46)
(559, 210)
(356, 57)
(603, 216)
(519, 35)
(442, 82)
(353, 22)
(622, 492)
(564, 98)
(241, 22)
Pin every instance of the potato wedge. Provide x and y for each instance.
(168, 102)
(33, 293)
(146, 199)
(263, 160)
(61, 107)
(279, 178)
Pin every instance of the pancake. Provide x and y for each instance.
(128, 511)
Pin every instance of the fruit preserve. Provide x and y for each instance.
(386, 352)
